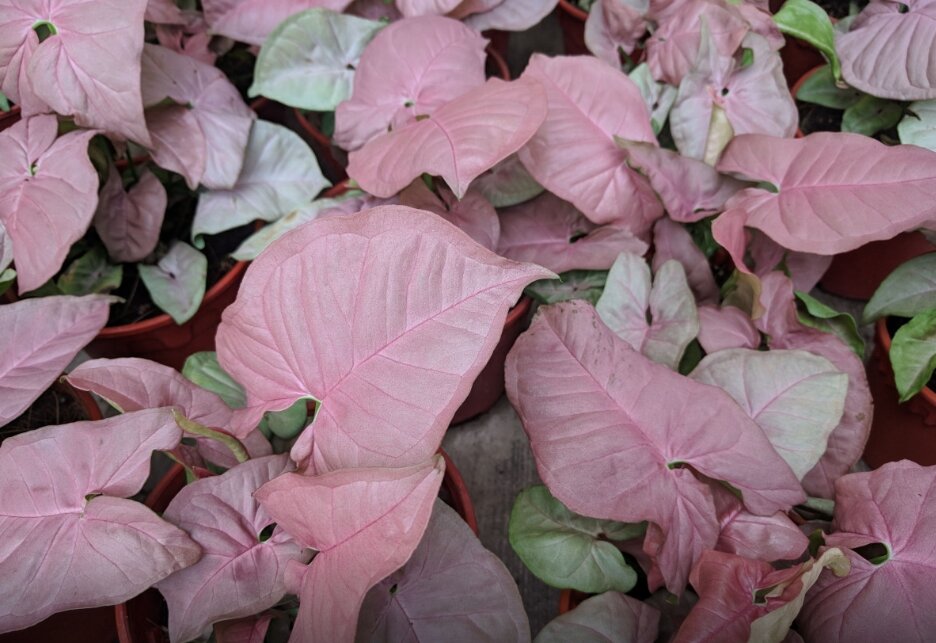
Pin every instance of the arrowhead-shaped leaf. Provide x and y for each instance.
(280, 174)
(411, 68)
(574, 154)
(89, 67)
(879, 600)
(908, 291)
(376, 518)
(309, 59)
(177, 282)
(615, 25)
(608, 618)
(797, 398)
(724, 328)
(459, 141)
(63, 551)
(658, 321)
(129, 221)
(410, 347)
(238, 574)
(90, 274)
(42, 337)
(214, 112)
(809, 22)
(881, 54)
(833, 191)
(552, 233)
(252, 21)
(48, 193)
(913, 354)
(451, 589)
(567, 550)
(629, 445)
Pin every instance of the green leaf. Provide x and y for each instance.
(566, 550)
(918, 126)
(4, 103)
(90, 274)
(177, 282)
(574, 284)
(871, 115)
(7, 277)
(820, 89)
(659, 97)
(908, 291)
(913, 354)
(308, 61)
(809, 22)
(204, 370)
(691, 357)
(818, 315)
(288, 423)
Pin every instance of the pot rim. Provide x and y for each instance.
(572, 10)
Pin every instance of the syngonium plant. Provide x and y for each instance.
(128, 156)
(382, 318)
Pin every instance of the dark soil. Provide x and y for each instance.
(836, 8)
(816, 118)
(52, 407)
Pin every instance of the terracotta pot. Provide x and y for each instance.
(8, 119)
(489, 385)
(161, 339)
(572, 21)
(899, 431)
(569, 599)
(142, 619)
(858, 273)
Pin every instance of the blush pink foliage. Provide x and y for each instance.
(613, 25)
(251, 21)
(473, 214)
(673, 241)
(726, 327)
(129, 221)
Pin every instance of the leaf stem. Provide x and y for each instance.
(228, 440)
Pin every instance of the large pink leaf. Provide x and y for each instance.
(673, 47)
(411, 68)
(896, 506)
(613, 25)
(743, 599)
(89, 68)
(48, 193)
(129, 222)
(755, 99)
(251, 21)
(552, 233)
(459, 141)
(608, 617)
(451, 589)
(835, 191)
(41, 337)
(574, 154)
(204, 137)
(373, 521)
(725, 328)
(631, 446)
(473, 214)
(673, 241)
(407, 311)
(766, 538)
(512, 15)
(658, 320)
(887, 52)
(238, 574)
(61, 550)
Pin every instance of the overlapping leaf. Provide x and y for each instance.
(251, 21)
(725, 328)
(615, 25)
(473, 214)
(129, 221)
(603, 619)
(673, 241)
(177, 283)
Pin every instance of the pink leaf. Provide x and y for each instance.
(512, 15)
(48, 193)
(164, 12)
(805, 269)
(613, 25)
(672, 241)
(459, 141)
(237, 575)
(672, 49)
(574, 154)
(451, 589)
(375, 520)
(611, 616)
(689, 189)
(129, 222)
(724, 328)
(766, 538)
(412, 8)
(552, 233)
(883, 54)
(473, 214)
(251, 21)
(88, 68)
(629, 445)
(207, 144)
(411, 68)
(64, 551)
(658, 321)
(6, 249)
(895, 506)
(41, 337)
(389, 357)
(252, 629)
(835, 191)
